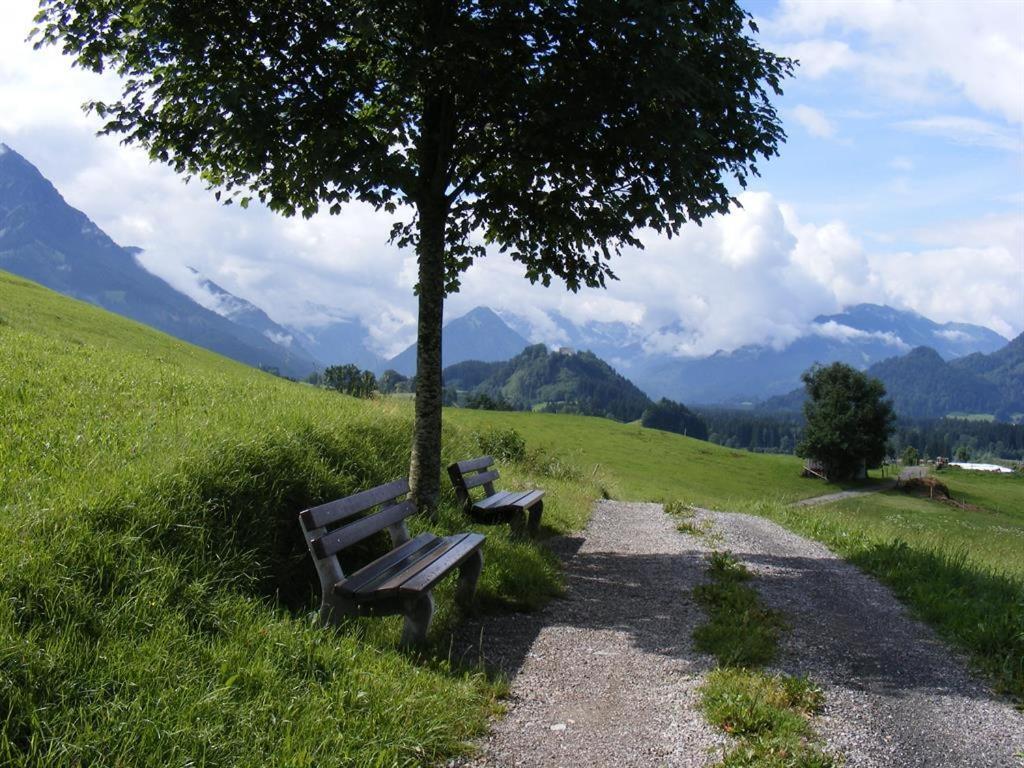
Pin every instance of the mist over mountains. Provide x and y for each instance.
(44, 239)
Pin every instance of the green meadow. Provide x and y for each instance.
(158, 602)
(651, 465)
(157, 598)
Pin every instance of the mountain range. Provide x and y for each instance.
(46, 240)
(922, 384)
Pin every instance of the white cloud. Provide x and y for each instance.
(814, 121)
(818, 58)
(968, 131)
(914, 50)
(840, 332)
(758, 274)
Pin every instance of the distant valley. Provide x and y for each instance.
(967, 367)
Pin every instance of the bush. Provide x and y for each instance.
(502, 444)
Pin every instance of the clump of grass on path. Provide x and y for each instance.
(686, 518)
(740, 631)
(768, 714)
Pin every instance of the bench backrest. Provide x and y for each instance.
(329, 528)
(470, 474)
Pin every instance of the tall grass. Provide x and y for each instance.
(156, 599)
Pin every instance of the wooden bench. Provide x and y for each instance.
(495, 506)
(398, 582)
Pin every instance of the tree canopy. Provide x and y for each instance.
(848, 420)
(552, 132)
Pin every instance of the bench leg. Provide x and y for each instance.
(418, 613)
(535, 512)
(333, 608)
(469, 575)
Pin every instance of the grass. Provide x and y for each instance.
(652, 465)
(998, 493)
(155, 595)
(740, 631)
(959, 570)
(686, 519)
(768, 714)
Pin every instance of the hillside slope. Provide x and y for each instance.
(44, 239)
(154, 589)
(578, 382)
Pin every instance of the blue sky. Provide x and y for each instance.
(902, 182)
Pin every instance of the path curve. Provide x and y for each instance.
(608, 676)
(895, 694)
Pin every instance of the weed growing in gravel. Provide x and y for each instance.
(739, 631)
(768, 714)
(686, 518)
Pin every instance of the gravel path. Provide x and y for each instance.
(895, 695)
(607, 677)
(828, 498)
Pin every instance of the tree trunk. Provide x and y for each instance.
(425, 467)
(433, 150)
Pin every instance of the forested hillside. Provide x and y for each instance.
(559, 382)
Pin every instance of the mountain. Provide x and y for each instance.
(923, 385)
(860, 336)
(44, 239)
(480, 334)
(339, 341)
(245, 313)
(950, 340)
(570, 382)
(1004, 368)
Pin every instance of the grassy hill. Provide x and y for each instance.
(651, 465)
(155, 596)
(154, 591)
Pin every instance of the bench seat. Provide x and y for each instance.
(495, 506)
(399, 581)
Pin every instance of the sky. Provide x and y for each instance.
(901, 182)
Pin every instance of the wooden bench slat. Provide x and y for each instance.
(478, 480)
(469, 465)
(396, 582)
(335, 541)
(493, 501)
(332, 512)
(531, 498)
(451, 558)
(388, 564)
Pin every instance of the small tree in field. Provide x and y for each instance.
(551, 131)
(848, 420)
(910, 457)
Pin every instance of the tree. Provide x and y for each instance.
(389, 381)
(848, 420)
(910, 456)
(350, 380)
(550, 131)
(671, 416)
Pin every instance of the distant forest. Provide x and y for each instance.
(780, 432)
